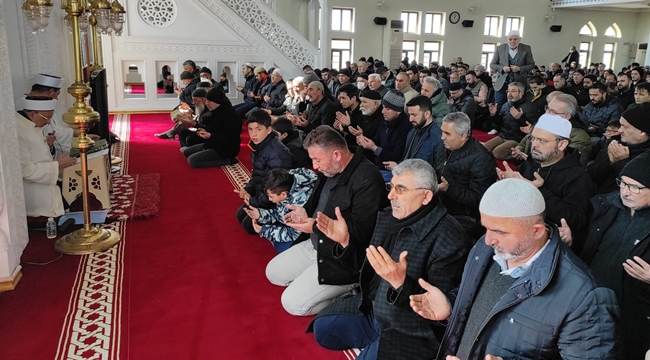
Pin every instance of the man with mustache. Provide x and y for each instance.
(414, 238)
(524, 294)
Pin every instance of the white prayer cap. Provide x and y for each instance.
(514, 33)
(555, 124)
(48, 80)
(279, 72)
(512, 198)
(249, 65)
(39, 105)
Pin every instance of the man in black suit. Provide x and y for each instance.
(512, 62)
(572, 57)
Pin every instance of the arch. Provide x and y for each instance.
(613, 31)
(588, 29)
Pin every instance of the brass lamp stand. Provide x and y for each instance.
(89, 239)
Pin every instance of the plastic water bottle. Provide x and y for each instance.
(50, 228)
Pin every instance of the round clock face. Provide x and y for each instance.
(454, 17)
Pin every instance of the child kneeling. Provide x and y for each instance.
(283, 188)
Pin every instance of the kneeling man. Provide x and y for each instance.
(414, 238)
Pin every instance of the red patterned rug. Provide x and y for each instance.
(135, 197)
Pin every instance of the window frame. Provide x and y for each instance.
(340, 51)
(488, 58)
(587, 53)
(426, 52)
(341, 10)
(442, 22)
(609, 64)
(519, 28)
(488, 20)
(415, 50)
(406, 23)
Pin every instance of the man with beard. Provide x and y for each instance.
(187, 137)
(516, 114)
(351, 114)
(538, 93)
(482, 75)
(432, 89)
(625, 93)
(374, 83)
(633, 139)
(414, 238)
(602, 109)
(423, 141)
(466, 170)
(390, 140)
(371, 109)
(319, 109)
(524, 294)
(557, 172)
(250, 88)
(512, 62)
(413, 72)
(321, 268)
(479, 90)
(461, 100)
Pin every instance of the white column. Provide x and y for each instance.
(312, 22)
(13, 224)
(324, 35)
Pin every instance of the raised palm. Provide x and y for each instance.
(432, 305)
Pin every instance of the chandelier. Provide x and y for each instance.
(108, 17)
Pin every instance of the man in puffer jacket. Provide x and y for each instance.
(600, 111)
(292, 187)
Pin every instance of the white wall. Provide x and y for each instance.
(643, 32)
(466, 42)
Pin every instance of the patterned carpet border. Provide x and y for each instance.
(92, 325)
(237, 174)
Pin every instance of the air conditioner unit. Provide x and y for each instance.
(633, 49)
(396, 38)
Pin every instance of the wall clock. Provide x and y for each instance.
(454, 17)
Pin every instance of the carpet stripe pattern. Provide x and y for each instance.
(92, 329)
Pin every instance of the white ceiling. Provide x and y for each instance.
(612, 5)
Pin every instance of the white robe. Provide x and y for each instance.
(64, 134)
(40, 171)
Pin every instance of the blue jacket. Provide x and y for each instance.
(601, 114)
(269, 154)
(272, 220)
(429, 143)
(391, 139)
(553, 311)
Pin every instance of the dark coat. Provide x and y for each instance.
(635, 304)
(391, 139)
(571, 57)
(293, 142)
(554, 310)
(269, 154)
(567, 190)
(252, 84)
(539, 102)
(186, 94)
(601, 114)
(224, 126)
(510, 128)
(603, 173)
(277, 93)
(465, 104)
(626, 98)
(437, 250)
(469, 172)
(428, 145)
(524, 60)
(370, 125)
(323, 113)
(580, 92)
(359, 193)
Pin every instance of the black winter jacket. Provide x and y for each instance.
(323, 113)
(359, 193)
(635, 304)
(293, 142)
(252, 84)
(277, 93)
(370, 125)
(469, 172)
(224, 126)
(437, 250)
(186, 94)
(267, 155)
(510, 128)
(567, 190)
(464, 104)
(603, 173)
(391, 139)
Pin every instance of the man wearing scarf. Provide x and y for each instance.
(413, 239)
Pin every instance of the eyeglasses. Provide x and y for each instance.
(635, 189)
(552, 112)
(399, 189)
(542, 141)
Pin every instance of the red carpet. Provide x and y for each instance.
(135, 197)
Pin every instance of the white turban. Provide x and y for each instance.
(512, 198)
(555, 124)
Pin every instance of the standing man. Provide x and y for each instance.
(524, 294)
(349, 188)
(512, 62)
(572, 56)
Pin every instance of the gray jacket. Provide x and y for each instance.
(524, 60)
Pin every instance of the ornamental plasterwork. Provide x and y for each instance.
(583, 2)
(260, 19)
(158, 13)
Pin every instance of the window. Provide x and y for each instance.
(431, 52)
(487, 53)
(585, 53)
(515, 23)
(410, 20)
(588, 30)
(342, 19)
(433, 23)
(491, 26)
(341, 52)
(408, 49)
(608, 55)
(613, 31)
